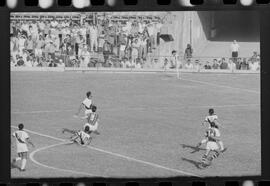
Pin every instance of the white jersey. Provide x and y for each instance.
(21, 137)
(87, 103)
(211, 119)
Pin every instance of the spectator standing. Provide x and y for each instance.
(39, 46)
(235, 49)
(106, 51)
(188, 52)
(93, 37)
(174, 60)
(215, 64)
(85, 56)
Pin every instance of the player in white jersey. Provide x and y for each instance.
(81, 137)
(92, 120)
(211, 146)
(86, 104)
(22, 139)
(212, 122)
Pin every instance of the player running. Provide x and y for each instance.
(211, 146)
(92, 120)
(87, 104)
(81, 137)
(211, 119)
(22, 139)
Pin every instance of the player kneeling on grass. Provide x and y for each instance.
(22, 138)
(211, 119)
(81, 137)
(211, 146)
(92, 120)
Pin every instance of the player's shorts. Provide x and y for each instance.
(88, 111)
(212, 146)
(91, 127)
(22, 147)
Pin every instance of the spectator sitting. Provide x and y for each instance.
(61, 63)
(244, 64)
(253, 65)
(207, 65)
(237, 62)
(197, 65)
(223, 64)
(215, 64)
(189, 65)
(52, 63)
(231, 65)
(138, 64)
(20, 61)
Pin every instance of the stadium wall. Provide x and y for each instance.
(186, 27)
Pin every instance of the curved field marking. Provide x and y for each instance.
(139, 108)
(119, 155)
(32, 154)
(223, 86)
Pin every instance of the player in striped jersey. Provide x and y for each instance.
(212, 122)
(92, 120)
(81, 137)
(22, 139)
(211, 146)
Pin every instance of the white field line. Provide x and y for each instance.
(118, 155)
(32, 154)
(223, 86)
(139, 108)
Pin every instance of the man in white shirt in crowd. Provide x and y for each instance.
(189, 65)
(93, 37)
(54, 23)
(253, 65)
(231, 65)
(85, 56)
(235, 49)
(22, 139)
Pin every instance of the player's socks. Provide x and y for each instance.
(18, 159)
(215, 155)
(204, 158)
(221, 145)
(23, 164)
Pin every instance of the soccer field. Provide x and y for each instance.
(144, 121)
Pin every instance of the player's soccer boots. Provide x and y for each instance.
(223, 150)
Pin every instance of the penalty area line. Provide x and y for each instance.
(32, 154)
(117, 154)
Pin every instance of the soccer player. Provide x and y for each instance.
(92, 120)
(211, 146)
(87, 104)
(212, 122)
(22, 139)
(81, 137)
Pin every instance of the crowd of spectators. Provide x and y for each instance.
(106, 43)
(233, 63)
(82, 43)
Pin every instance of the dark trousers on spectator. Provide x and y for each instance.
(76, 50)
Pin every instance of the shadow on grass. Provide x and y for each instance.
(14, 166)
(194, 148)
